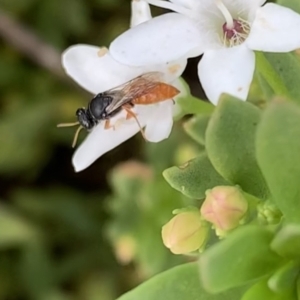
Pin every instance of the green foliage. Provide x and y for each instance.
(38, 232)
(194, 177)
(293, 4)
(261, 291)
(278, 73)
(278, 147)
(258, 150)
(243, 257)
(287, 66)
(284, 279)
(15, 231)
(192, 105)
(181, 282)
(230, 144)
(97, 234)
(24, 138)
(270, 80)
(140, 207)
(196, 128)
(52, 244)
(287, 242)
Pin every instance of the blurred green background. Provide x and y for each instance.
(91, 235)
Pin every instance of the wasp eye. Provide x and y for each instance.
(79, 111)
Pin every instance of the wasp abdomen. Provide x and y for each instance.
(160, 92)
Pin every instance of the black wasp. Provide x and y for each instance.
(145, 89)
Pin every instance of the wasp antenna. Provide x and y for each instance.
(67, 124)
(76, 136)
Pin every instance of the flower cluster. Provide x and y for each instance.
(226, 32)
(224, 208)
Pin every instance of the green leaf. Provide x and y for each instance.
(193, 105)
(36, 271)
(265, 87)
(180, 283)
(25, 138)
(196, 128)
(260, 90)
(261, 291)
(271, 75)
(194, 177)
(293, 4)
(298, 287)
(14, 230)
(285, 278)
(244, 256)
(287, 242)
(287, 66)
(230, 143)
(278, 148)
(190, 104)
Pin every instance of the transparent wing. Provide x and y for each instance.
(133, 89)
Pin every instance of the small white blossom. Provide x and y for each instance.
(95, 70)
(226, 31)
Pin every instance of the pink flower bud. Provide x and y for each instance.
(185, 232)
(125, 249)
(224, 207)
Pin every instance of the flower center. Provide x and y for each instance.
(235, 31)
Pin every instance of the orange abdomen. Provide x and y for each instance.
(160, 92)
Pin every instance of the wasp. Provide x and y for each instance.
(145, 89)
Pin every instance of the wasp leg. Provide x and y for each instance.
(108, 126)
(131, 114)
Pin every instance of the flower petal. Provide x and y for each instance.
(275, 29)
(100, 140)
(140, 12)
(165, 38)
(97, 74)
(171, 70)
(94, 72)
(244, 8)
(186, 3)
(160, 125)
(229, 70)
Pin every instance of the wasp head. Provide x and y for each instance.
(84, 118)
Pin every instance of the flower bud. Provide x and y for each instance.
(268, 213)
(185, 232)
(224, 207)
(125, 249)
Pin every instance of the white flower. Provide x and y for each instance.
(226, 31)
(95, 70)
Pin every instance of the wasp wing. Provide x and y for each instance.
(132, 89)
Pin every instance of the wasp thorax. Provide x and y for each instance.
(98, 105)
